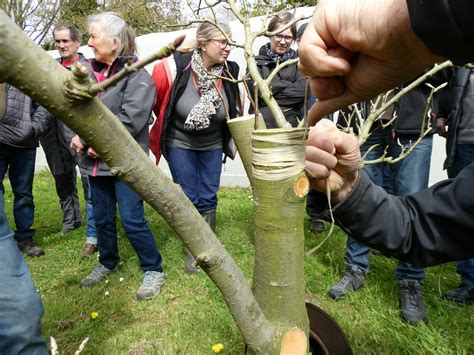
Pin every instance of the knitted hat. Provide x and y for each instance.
(301, 29)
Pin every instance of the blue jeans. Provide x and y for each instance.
(20, 163)
(20, 304)
(464, 157)
(198, 173)
(407, 176)
(91, 237)
(107, 192)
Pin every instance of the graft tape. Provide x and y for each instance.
(279, 155)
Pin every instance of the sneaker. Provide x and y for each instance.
(352, 280)
(463, 294)
(151, 286)
(412, 307)
(28, 246)
(317, 226)
(99, 272)
(89, 249)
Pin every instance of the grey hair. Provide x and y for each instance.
(206, 31)
(114, 27)
(74, 32)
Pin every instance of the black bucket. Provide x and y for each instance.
(326, 337)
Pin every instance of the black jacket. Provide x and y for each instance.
(61, 158)
(131, 100)
(435, 225)
(288, 89)
(426, 228)
(445, 26)
(451, 108)
(183, 72)
(24, 121)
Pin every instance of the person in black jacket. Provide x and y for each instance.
(457, 112)
(194, 132)
(61, 159)
(432, 226)
(288, 85)
(23, 122)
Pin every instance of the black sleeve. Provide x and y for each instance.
(430, 227)
(445, 26)
(444, 95)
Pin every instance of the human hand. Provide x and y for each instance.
(354, 50)
(77, 145)
(91, 153)
(441, 127)
(332, 157)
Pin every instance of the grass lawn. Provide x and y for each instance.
(190, 315)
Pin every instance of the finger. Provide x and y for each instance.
(327, 88)
(323, 108)
(320, 136)
(316, 171)
(316, 62)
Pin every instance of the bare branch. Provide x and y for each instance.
(279, 67)
(365, 133)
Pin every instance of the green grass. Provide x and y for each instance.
(190, 314)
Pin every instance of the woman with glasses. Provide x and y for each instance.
(288, 85)
(194, 99)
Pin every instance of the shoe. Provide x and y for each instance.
(190, 263)
(352, 280)
(412, 307)
(28, 246)
(99, 272)
(67, 230)
(151, 286)
(210, 218)
(317, 226)
(89, 249)
(463, 294)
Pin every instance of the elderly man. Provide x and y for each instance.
(61, 159)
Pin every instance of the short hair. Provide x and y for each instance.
(74, 32)
(207, 30)
(282, 18)
(113, 26)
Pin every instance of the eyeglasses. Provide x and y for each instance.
(223, 43)
(287, 38)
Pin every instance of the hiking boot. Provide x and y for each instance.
(190, 263)
(89, 249)
(352, 280)
(317, 226)
(412, 307)
(151, 286)
(463, 294)
(28, 246)
(99, 272)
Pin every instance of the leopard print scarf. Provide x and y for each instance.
(199, 117)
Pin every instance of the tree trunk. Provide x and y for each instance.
(280, 188)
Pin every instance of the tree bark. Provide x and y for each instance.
(26, 66)
(280, 188)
